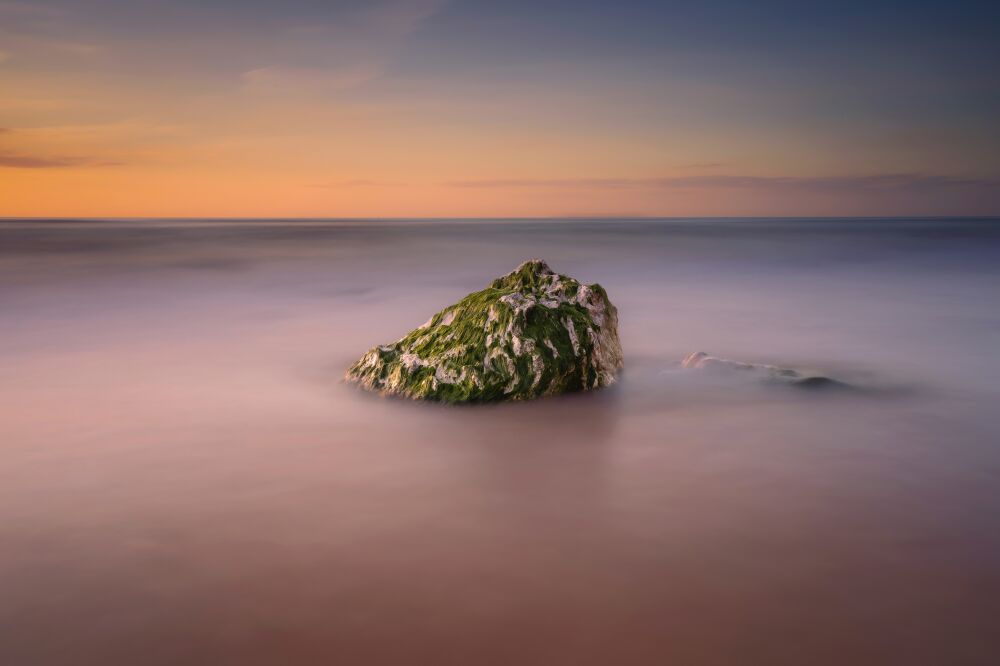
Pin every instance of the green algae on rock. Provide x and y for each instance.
(529, 334)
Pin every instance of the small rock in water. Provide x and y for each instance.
(771, 373)
(530, 333)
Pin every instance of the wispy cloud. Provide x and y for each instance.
(703, 165)
(19, 161)
(331, 57)
(285, 80)
(29, 9)
(37, 32)
(869, 183)
(30, 162)
(358, 182)
(398, 19)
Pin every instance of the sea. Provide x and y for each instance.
(186, 479)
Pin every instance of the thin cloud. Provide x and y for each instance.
(29, 10)
(872, 183)
(16, 161)
(317, 60)
(399, 19)
(358, 182)
(21, 22)
(703, 165)
(285, 80)
(29, 162)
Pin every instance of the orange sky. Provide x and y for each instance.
(394, 109)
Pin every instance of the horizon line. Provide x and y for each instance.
(428, 218)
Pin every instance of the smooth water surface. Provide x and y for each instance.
(184, 479)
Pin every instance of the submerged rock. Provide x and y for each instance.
(530, 333)
(770, 373)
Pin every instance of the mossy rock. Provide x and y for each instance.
(529, 334)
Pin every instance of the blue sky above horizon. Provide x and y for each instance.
(468, 107)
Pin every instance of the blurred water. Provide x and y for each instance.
(184, 478)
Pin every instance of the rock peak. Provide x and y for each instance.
(529, 275)
(537, 266)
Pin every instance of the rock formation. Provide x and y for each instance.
(770, 373)
(530, 333)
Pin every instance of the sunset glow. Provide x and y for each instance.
(434, 108)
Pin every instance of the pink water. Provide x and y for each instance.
(184, 479)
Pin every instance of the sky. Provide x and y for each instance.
(469, 108)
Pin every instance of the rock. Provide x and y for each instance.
(769, 373)
(530, 333)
